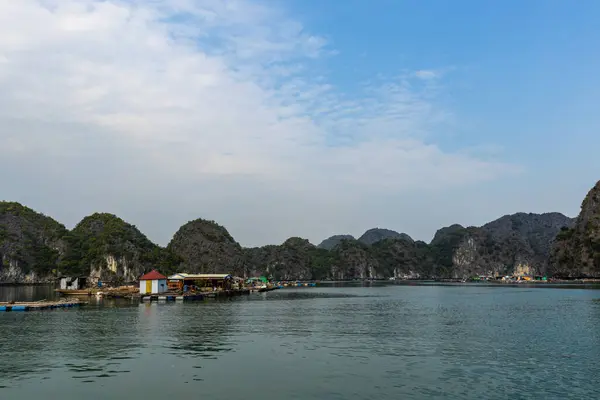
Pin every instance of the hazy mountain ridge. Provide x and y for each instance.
(333, 241)
(375, 235)
(104, 245)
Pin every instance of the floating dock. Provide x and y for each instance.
(38, 305)
(193, 297)
(156, 297)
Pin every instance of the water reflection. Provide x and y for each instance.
(320, 343)
(27, 292)
(87, 342)
(193, 330)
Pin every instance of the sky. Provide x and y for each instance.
(301, 117)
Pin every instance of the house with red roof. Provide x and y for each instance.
(153, 282)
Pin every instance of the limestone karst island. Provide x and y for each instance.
(105, 254)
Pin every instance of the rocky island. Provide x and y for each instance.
(35, 248)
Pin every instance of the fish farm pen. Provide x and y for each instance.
(39, 305)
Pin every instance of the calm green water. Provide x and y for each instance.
(388, 342)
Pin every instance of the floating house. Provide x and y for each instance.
(182, 281)
(73, 283)
(153, 282)
(258, 282)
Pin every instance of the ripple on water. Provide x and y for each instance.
(397, 342)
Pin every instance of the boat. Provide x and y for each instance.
(267, 289)
(76, 292)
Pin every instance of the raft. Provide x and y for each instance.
(38, 305)
(76, 292)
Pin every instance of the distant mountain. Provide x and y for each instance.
(102, 245)
(207, 247)
(36, 248)
(296, 258)
(518, 243)
(333, 241)
(30, 244)
(576, 250)
(376, 234)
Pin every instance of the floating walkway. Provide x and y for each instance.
(39, 305)
(194, 297)
(155, 297)
(296, 284)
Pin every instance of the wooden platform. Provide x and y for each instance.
(38, 305)
(193, 297)
(79, 292)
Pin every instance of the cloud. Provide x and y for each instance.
(209, 108)
(427, 74)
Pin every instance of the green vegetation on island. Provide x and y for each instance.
(36, 248)
(576, 252)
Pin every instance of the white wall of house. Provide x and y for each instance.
(143, 287)
(158, 286)
(70, 283)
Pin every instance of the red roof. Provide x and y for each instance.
(152, 275)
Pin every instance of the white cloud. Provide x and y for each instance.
(208, 108)
(427, 74)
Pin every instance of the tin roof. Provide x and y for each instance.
(199, 276)
(71, 277)
(152, 275)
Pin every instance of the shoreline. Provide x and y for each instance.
(585, 281)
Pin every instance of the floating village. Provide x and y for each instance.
(154, 286)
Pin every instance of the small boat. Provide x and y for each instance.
(76, 292)
(267, 289)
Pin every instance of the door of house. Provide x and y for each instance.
(148, 286)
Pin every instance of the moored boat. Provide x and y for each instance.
(267, 288)
(76, 292)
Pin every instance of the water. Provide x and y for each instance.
(379, 342)
(27, 293)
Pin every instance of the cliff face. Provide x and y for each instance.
(291, 260)
(518, 243)
(34, 248)
(576, 250)
(30, 244)
(349, 259)
(354, 261)
(401, 258)
(207, 247)
(106, 247)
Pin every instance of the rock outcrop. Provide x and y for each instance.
(513, 244)
(106, 247)
(30, 244)
(207, 247)
(332, 241)
(293, 259)
(354, 261)
(374, 235)
(402, 259)
(576, 250)
(35, 248)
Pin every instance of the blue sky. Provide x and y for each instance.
(521, 77)
(519, 72)
(299, 118)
